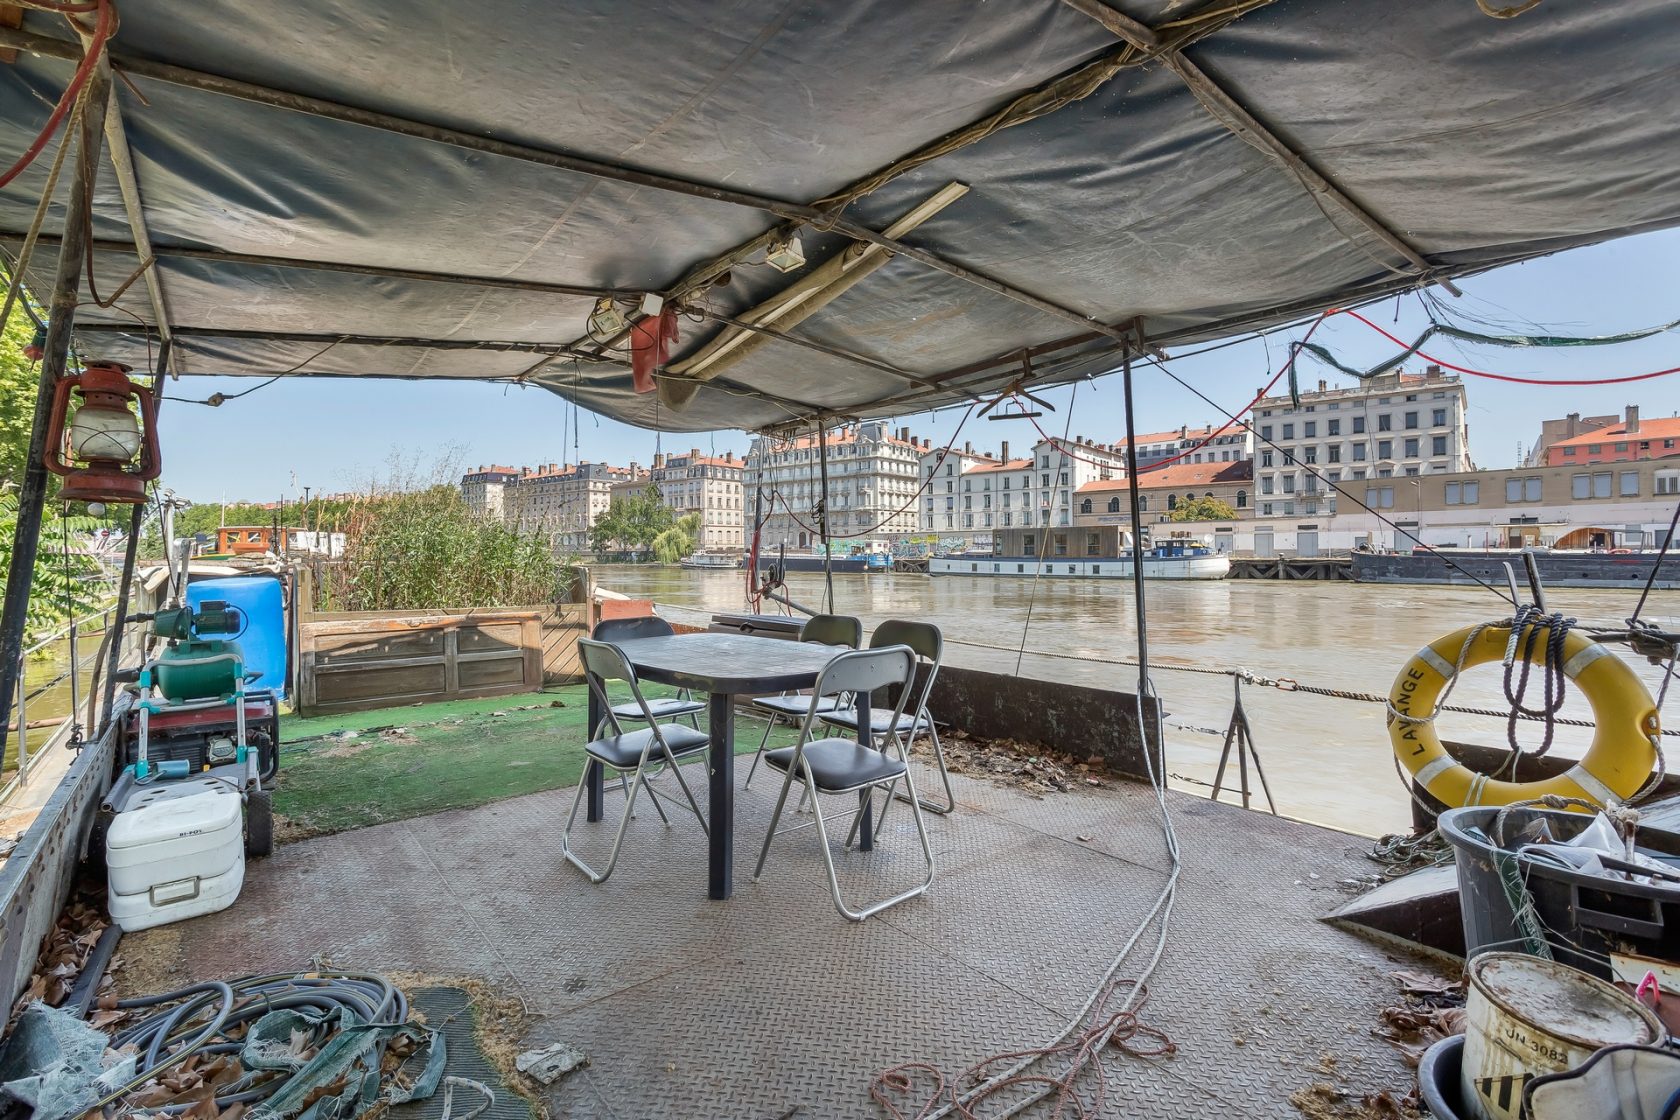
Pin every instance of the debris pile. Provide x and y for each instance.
(1011, 763)
(319, 1043)
(1432, 1009)
(64, 953)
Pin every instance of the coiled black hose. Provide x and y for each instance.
(205, 1018)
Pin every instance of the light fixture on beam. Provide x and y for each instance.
(785, 253)
(606, 320)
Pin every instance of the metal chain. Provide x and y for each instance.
(1287, 684)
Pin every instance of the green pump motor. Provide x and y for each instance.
(194, 666)
(192, 671)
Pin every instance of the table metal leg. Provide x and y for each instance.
(594, 777)
(866, 797)
(721, 843)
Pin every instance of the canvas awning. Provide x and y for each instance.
(430, 189)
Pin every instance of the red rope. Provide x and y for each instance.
(96, 47)
(1506, 376)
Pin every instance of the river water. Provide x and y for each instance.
(1327, 760)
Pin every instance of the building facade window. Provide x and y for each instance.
(1439, 418)
(1667, 482)
(1358, 425)
(1438, 445)
(1630, 484)
(1411, 446)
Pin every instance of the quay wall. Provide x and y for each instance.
(1052, 715)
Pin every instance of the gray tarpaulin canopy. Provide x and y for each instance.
(437, 189)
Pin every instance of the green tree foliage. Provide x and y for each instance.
(55, 595)
(632, 524)
(425, 550)
(1203, 509)
(18, 378)
(62, 587)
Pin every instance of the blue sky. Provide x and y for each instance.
(333, 434)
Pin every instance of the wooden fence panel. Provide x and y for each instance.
(350, 661)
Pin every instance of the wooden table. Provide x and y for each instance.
(723, 666)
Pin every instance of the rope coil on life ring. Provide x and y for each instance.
(1616, 766)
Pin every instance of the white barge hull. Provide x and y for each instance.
(1059, 567)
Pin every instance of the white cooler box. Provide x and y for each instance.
(176, 851)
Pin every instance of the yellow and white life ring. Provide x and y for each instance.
(1624, 746)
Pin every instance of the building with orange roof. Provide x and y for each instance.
(485, 489)
(873, 474)
(710, 486)
(1210, 443)
(1162, 491)
(1625, 442)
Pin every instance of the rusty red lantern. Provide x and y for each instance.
(106, 453)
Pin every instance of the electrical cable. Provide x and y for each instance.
(216, 400)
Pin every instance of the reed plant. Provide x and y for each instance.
(426, 550)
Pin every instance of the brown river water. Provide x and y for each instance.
(1327, 760)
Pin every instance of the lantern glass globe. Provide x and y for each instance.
(104, 434)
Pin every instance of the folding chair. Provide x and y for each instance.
(629, 753)
(823, 629)
(929, 645)
(830, 766)
(682, 705)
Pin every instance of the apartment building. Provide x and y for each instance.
(1038, 490)
(484, 489)
(1211, 445)
(1567, 427)
(943, 471)
(1608, 505)
(564, 502)
(873, 473)
(1623, 440)
(1398, 425)
(708, 485)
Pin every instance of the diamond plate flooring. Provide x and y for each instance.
(772, 1006)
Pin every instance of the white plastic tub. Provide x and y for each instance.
(176, 852)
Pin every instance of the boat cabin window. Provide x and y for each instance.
(1029, 545)
(1093, 544)
(1061, 544)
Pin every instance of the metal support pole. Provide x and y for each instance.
(61, 311)
(822, 511)
(23, 727)
(1138, 597)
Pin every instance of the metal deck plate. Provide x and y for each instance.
(770, 1005)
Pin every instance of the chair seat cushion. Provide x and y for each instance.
(665, 707)
(879, 720)
(623, 752)
(795, 705)
(838, 765)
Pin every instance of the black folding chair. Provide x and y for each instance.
(822, 629)
(929, 645)
(682, 705)
(846, 766)
(629, 753)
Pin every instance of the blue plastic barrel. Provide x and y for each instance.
(262, 601)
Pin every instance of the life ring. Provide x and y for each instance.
(1624, 746)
